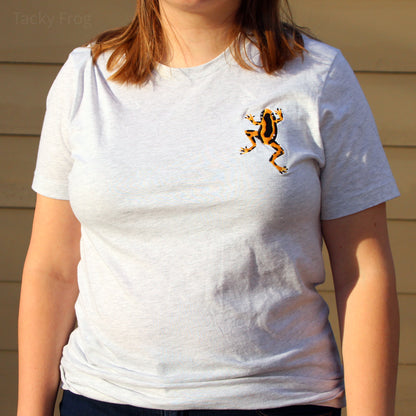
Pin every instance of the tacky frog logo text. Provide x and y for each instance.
(266, 133)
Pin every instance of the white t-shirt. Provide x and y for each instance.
(199, 259)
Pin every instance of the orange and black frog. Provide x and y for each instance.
(266, 133)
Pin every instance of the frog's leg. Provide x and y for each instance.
(251, 134)
(279, 152)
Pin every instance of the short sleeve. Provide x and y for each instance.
(356, 174)
(54, 160)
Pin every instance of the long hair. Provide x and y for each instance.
(138, 47)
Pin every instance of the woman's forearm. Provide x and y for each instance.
(365, 287)
(369, 320)
(48, 294)
(46, 317)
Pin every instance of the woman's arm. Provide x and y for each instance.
(367, 305)
(46, 315)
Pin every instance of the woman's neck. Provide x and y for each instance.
(197, 33)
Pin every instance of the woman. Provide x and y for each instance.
(189, 166)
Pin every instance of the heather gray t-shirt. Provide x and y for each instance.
(199, 258)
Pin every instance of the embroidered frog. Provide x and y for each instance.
(266, 133)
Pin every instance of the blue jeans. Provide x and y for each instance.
(75, 405)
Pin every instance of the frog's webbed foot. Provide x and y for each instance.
(279, 114)
(246, 149)
(281, 169)
(250, 117)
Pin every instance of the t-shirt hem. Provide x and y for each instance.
(242, 394)
(363, 201)
(50, 188)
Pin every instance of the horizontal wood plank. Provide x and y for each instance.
(15, 229)
(406, 387)
(8, 383)
(9, 305)
(373, 35)
(17, 164)
(403, 240)
(403, 165)
(23, 96)
(46, 31)
(392, 98)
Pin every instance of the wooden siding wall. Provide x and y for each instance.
(378, 39)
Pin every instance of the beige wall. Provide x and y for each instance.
(377, 37)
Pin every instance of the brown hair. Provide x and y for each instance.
(139, 46)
